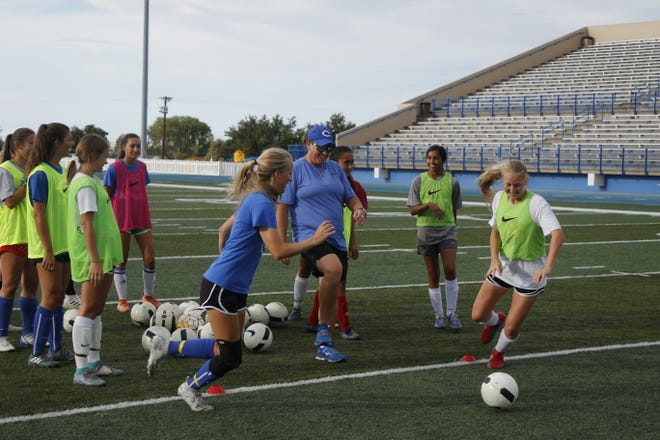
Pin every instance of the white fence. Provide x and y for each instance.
(190, 167)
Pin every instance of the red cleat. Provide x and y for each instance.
(151, 299)
(496, 360)
(488, 332)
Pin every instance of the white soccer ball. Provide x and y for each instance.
(277, 312)
(152, 331)
(188, 305)
(170, 306)
(257, 314)
(183, 334)
(165, 318)
(258, 337)
(499, 390)
(192, 319)
(205, 332)
(69, 319)
(141, 313)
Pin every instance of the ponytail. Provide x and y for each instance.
(494, 173)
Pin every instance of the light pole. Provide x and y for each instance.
(145, 77)
(163, 110)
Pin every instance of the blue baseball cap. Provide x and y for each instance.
(321, 135)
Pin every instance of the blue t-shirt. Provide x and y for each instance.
(38, 185)
(110, 177)
(316, 194)
(234, 269)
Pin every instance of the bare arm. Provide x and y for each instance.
(280, 249)
(41, 222)
(14, 199)
(495, 245)
(359, 212)
(282, 216)
(223, 232)
(556, 241)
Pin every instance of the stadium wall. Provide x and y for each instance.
(619, 188)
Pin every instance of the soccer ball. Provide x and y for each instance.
(170, 306)
(205, 331)
(499, 390)
(188, 305)
(69, 319)
(192, 319)
(277, 312)
(183, 334)
(258, 337)
(257, 313)
(152, 331)
(141, 313)
(165, 319)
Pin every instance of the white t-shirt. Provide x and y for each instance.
(86, 197)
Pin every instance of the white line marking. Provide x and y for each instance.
(326, 379)
(587, 267)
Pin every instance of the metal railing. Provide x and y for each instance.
(613, 160)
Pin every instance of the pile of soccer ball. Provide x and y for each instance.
(188, 321)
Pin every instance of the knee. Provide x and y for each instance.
(230, 358)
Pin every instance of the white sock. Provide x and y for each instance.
(493, 320)
(436, 301)
(149, 280)
(81, 337)
(451, 295)
(95, 343)
(121, 283)
(503, 343)
(299, 291)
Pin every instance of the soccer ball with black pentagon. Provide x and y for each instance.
(258, 337)
(499, 390)
(141, 313)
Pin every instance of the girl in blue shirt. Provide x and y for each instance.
(226, 283)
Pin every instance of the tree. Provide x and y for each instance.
(78, 133)
(185, 137)
(254, 134)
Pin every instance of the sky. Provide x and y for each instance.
(80, 61)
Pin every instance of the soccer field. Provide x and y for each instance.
(586, 362)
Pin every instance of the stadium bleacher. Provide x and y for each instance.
(592, 109)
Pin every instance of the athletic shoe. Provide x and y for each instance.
(151, 299)
(323, 335)
(496, 360)
(295, 314)
(350, 335)
(439, 322)
(104, 370)
(157, 354)
(455, 325)
(328, 353)
(62, 355)
(192, 398)
(26, 340)
(488, 332)
(71, 302)
(14, 328)
(123, 306)
(88, 378)
(42, 360)
(5, 345)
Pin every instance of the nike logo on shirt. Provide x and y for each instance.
(433, 192)
(508, 219)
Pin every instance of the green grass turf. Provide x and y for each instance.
(603, 291)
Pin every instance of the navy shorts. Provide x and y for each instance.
(212, 296)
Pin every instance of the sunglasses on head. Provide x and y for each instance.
(326, 148)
